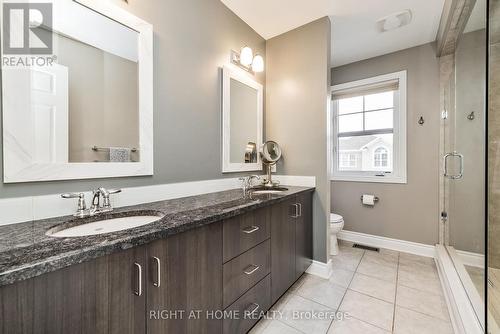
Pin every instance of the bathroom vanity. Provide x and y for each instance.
(211, 264)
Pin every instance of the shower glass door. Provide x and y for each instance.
(464, 159)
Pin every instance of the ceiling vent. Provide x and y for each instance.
(394, 21)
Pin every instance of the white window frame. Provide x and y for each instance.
(399, 173)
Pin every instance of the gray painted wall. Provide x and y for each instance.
(297, 86)
(405, 211)
(192, 40)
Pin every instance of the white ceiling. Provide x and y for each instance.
(354, 33)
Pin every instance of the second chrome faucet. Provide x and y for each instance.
(97, 206)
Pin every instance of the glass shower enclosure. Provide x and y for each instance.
(463, 151)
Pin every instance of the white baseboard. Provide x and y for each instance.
(388, 243)
(471, 259)
(320, 269)
(22, 209)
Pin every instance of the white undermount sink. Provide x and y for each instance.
(103, 226)
(276, 190)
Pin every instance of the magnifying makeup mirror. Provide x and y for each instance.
(270, 154)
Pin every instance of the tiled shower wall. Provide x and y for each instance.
(494, 138)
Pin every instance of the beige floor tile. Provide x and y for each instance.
(276, 327)
(299, 312)
(280, 304)
(371, 310)
(341, 277)
(370, 268)
(374, 287)
(420, 277)
(322, 291)
(260, 326)
(348, 258)
(298, 283)
(427, 303)
(385, 258)
(411, 322)
(406, 258)
(354, 326)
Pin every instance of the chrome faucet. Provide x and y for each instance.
(96, 206)
(247, 182)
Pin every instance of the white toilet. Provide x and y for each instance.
(336, 225)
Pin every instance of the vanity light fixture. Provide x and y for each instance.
(246, 56)
(258, 64)
(247, 61)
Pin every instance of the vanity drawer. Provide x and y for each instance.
(243, 272)
(244, 232)
(257, 298)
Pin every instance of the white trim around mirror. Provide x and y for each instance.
(19, 167)
(229, 73)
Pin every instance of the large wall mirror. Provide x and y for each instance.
(89, 113)
(242, 114)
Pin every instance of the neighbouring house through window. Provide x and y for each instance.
(369, 127)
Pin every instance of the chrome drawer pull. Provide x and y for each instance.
(251, 269)
(255, 308)
(250, 229)
(158, 272)
(138, 292)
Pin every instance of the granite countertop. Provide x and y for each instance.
(26, 252)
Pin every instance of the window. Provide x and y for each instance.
(348, 160)
(369, 127)
(381, 157)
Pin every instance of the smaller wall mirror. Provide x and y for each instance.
(242, 114)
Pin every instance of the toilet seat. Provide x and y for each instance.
(336, 219)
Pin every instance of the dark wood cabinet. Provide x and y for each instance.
(291, 242)
(92, 297)
(282, 247)
(303, 235)
(186, 287)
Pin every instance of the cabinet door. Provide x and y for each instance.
(282, 247)
(190, 290)
(303, 234)
(92, 297)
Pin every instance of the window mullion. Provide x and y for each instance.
(364, 113)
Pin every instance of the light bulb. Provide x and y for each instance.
(246, 56)
(258, 64)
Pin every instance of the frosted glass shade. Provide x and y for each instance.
(246, 56)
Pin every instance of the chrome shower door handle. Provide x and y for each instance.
(445, 166)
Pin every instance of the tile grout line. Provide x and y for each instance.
(347, 288)
(290, 326)
(395, 295)
(427, 315)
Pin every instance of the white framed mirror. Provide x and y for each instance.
(242, 121)
(89, 112)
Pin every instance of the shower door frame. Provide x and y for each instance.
(467, 308)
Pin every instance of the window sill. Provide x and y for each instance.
(370, 179)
